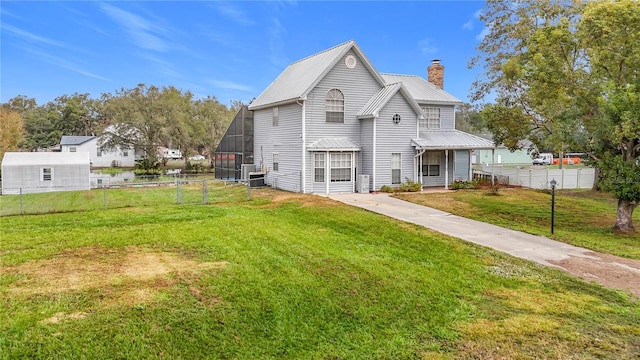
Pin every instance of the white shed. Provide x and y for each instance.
(36, 172)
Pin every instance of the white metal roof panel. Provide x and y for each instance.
(450, 139)
(74, 140)
(45, 158)
(422, 90)
(378, 101)
(298, 77)
(333, 144)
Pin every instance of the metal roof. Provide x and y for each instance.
(333, 144)
(300, 77)
(16, 159)
(75, 140)
(378, 101)
(450, 139)
(422, 90)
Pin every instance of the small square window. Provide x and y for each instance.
(47, 174)
(72, 149)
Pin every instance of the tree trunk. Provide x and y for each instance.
(596, 179)
(624, 220)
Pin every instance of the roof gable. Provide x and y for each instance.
(75, 140)
(300, 77)
(422, 90)
(380, 100)
(18, 159)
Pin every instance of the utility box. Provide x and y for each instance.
(363, 184)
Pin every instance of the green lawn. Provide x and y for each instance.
(582, 217)
(285, 276)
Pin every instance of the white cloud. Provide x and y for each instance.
(426, 47)
(65, 64)
(225, 84)
(482, 34)
(33, 38)
(468, 25)
(143, 33)
(233, 13)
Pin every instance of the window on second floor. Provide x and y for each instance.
(276, 116)
(72, 149)
(335, 106)
(431, 120)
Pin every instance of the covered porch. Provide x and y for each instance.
(444, 156)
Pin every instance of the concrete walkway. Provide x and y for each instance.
(605, 269)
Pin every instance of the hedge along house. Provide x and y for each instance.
(331, 123)
(37, 172)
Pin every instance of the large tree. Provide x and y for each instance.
(11, 130)
(612, 32)
(561, 87)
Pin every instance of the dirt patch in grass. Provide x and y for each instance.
(122, 276)
(278, 197)
(605, 269)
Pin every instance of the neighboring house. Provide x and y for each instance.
(331, 123)
(36, 172)
(99, 157)
(502, 155)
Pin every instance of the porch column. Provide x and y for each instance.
(327, 171)
(446, 169)
(470, 165)
(493, 154)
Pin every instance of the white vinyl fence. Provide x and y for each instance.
(539, 178)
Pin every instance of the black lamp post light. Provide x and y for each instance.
(553, 183)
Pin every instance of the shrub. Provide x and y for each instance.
(460, 184)
(408, 186)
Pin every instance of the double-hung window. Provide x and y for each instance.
(46, 174)
(276, 161)
(318, 167)
(432, 165)
(396, 168)
(431, 120)
(340, 167)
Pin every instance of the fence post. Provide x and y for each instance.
(530, 178)
(249, 189)
(179, 191)
(578, 178)
(205, 192)
(104, 196)
(21, 205)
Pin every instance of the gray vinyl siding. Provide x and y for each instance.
(283, 139)
(366, 155)
(461, 165)
(357, 86)
(394, 138)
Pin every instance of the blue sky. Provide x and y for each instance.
(230, 50)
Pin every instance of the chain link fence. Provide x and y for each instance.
(134, 194)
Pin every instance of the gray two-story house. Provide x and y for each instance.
(330, 121)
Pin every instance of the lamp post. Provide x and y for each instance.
(553, 183)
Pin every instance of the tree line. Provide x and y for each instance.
(566, 75)
(143, 117)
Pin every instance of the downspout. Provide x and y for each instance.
(304, 146)
(373, 176)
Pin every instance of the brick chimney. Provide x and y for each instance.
(436, 73)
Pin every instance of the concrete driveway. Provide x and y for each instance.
(608, 270)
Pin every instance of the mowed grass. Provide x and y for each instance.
(582, 217)
(286, 276)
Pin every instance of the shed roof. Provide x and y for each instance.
(300, 77)
(333, 144)
(75, 140)
(16, 159)
(422, 90)
(450, 139)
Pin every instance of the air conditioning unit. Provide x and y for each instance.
(245, 170)
(363, 184)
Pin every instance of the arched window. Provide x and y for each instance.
(335, 106)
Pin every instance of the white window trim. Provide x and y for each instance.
(50, 174)
(276, 161)
(399, 168)
(344, 157)
(316, 167)
(430, 121)
(334, 99)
